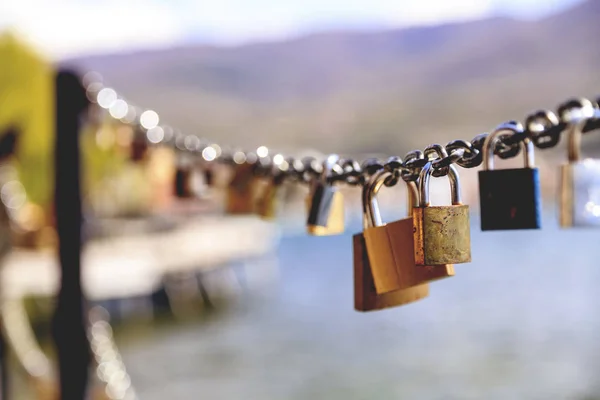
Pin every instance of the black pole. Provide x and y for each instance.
(69, 326)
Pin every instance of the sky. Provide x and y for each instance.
(67, 28)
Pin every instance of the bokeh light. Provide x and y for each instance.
(149, 119)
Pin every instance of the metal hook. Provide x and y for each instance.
(424, 185)
(371, 213)
(506, 129)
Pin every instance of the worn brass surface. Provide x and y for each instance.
(336, 220)
(442, 235)
(390, 250)
(402, 238)
(366, 297)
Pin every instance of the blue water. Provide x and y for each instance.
(519, 322)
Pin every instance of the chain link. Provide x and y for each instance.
(543, 128)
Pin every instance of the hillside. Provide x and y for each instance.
(384, 91)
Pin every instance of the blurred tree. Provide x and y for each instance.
(27, 108)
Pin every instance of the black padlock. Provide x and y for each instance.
(183, 184)
(509, 198)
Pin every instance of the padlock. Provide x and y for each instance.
(139, 146)
(268, 200)
(326, 214)
(183, 177)
(183, 186)
(366, 297)
(442, 233)
(579, 183)
(391, 246)
(509, 198)
(241, 190)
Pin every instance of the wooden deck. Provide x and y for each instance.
(134, 264)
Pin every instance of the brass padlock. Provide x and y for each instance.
(268, 200)
(391, 246)
(241, 190)
(366, 297)
(579, 183)
(442, 233)
(326, 214)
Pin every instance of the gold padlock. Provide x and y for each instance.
(241, 190)
(268, 200)
(325, 204)
(366, 297)
(390, 247)
(442, 233)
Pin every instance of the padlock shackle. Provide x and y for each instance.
(371, 213)
(328, 165)
(505, 130)
(575, 113)
(575, 133)
(424, 185)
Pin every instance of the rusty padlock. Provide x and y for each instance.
(326, 214)
(442, 233)
(366, 297)
(391, 246)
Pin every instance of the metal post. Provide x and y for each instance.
(69, 326)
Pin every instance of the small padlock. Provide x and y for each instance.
(138, 146)
(268, 200)
(509, 198)
(366, 297)
(326, 214)
(391, 246)
(183, 177)
(442, 233)
(241, 193)
(579, 181)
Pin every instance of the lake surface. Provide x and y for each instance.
(521, 321)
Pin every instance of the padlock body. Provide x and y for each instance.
(580, 194)
(183, 183)
(320, 204)
(392, 260)
(366, 297)
(442, 235)
(241, 195)
(266, 204)
(510, 199)
(336, 215)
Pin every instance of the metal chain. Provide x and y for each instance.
(543, 128)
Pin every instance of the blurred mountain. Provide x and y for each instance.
(378, 91)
